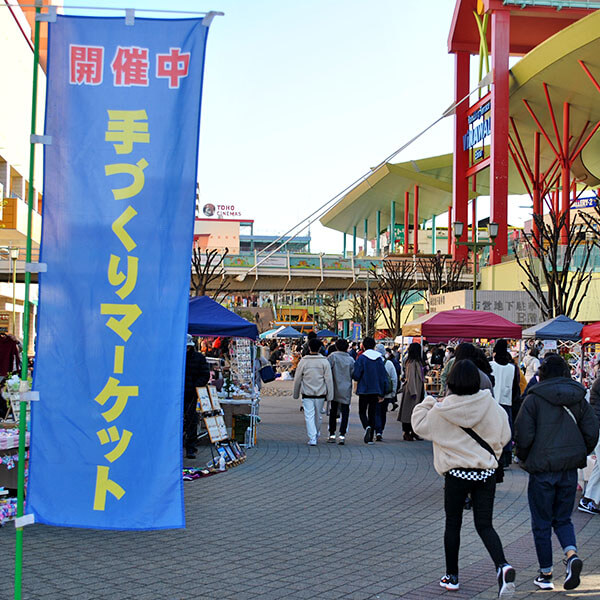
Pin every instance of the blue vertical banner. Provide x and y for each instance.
(123, 111)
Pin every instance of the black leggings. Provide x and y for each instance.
(482, 494)
(333, 411)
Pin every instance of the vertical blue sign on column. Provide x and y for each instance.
(123, 110)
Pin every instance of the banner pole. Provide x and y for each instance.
(26, 320)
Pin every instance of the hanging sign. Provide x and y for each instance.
(480, 126)
(123, 109)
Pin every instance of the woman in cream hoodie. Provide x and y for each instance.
(468, 468)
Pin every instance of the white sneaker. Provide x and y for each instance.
(312, 442)
(341, 440)
(331, 439)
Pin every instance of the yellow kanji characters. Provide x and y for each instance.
(116, 277)
(118, 228)
(112, 435)
(125, 128)
(136, 171)
(122, 393)
(103, 486)
(121, 326)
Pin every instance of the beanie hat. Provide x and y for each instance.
(381, 349)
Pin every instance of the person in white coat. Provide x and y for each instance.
(390, 396)
(468, 430)
(314, 381)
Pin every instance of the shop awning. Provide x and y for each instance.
(590, 334)
(559, 328)
(463, 324)
(207, 317)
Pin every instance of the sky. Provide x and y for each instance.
(302, 97)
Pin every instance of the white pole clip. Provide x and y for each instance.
(24, 520)
(208, 19)
(36, 267)
(129, 16)
(40, 139)
(30, 396)
(49, 17)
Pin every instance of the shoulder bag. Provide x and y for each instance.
(486, 446)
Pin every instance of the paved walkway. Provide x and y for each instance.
(333, 522)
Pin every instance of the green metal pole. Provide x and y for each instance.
(433, 236)
(354, 241)
(344, 254)
(393, 228)
(366, 237)
(378, 232)
(26, 307)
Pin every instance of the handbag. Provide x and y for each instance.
(267, 373)
(486, 446)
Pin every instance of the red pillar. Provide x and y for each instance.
(416, 222)
(565, 175)
(450, 230)
(555, 203)
(537, 207)
(499, 145)
(460, 187)
(406, 222)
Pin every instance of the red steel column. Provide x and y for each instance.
(406, 222)
(416, 222)
(537, 208)
(499, 145)
(450, 230)
(460, 183)
(565, 176)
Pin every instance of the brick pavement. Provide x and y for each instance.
(355, 522)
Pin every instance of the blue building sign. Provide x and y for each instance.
(480, 126)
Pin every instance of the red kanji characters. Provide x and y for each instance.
(130, 66)
(173, 66)
(86, 64)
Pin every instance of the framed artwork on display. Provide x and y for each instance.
(204, 399)
(230, 452)
(223, 452)
(214, 397)
(222, 427)
(214, 432)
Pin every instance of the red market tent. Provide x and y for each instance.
(461, 323)
(590, 334)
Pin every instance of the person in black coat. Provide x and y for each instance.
(554, 432)
(590, 501)
(197, 374)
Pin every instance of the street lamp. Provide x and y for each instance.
(474, 247)
(14, 256)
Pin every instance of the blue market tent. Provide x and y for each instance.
(559, 328)
(266, 334)
(286, 332)
(207, 317)
(325, 333)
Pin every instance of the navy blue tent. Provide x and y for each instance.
(559, 328)
(207, 317)
(285, 332)
(324, 333)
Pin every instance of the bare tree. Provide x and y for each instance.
(442, 274)
(330, 311)
(361, 309)
(207, 269)
(395, 287)
(557, 271)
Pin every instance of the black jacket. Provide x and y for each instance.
(197, 371)
(595, 397)
(546, 436)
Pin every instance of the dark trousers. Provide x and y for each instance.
(190, 420)
(381, 415)
(506, 456)
(333, 412)
(407, 428)
(482, 494)
(367, 407)
(551, 499)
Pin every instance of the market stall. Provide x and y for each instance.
(238, 398)
(461, 324)
(455, 326)
(590, 352)
(285, 332)
(562, 335)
